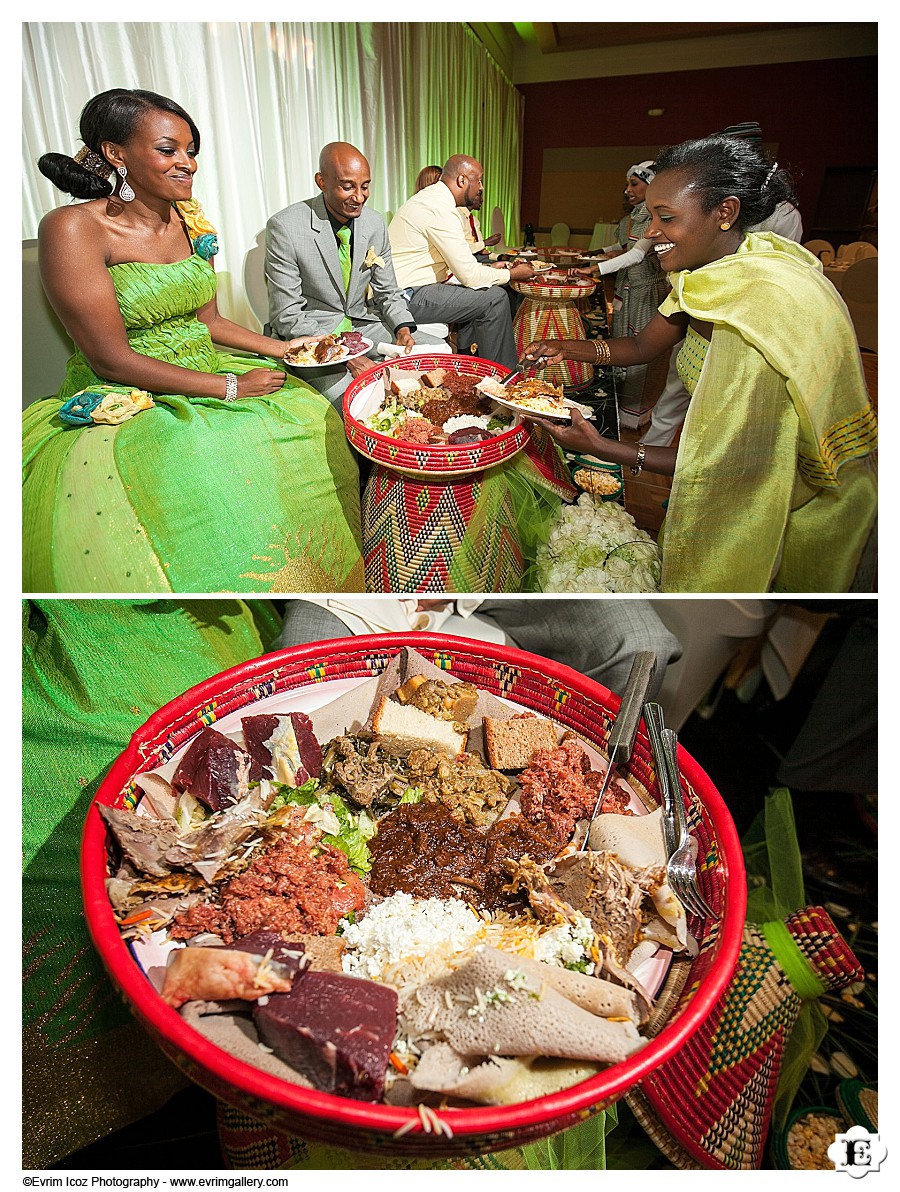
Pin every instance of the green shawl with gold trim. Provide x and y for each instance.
(774, 486)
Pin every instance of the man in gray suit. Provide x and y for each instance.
(322, 256)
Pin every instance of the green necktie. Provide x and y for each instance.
(343, 235)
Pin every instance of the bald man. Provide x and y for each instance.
(313, 292)
(441, 279)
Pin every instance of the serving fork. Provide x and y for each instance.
(681, 868)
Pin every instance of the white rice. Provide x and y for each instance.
(458, 421)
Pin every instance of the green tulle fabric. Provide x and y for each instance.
(514, 494)
(194, 495)
(775, 891)
(93, 671)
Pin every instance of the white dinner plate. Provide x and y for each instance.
(335, 360)
(562, 416)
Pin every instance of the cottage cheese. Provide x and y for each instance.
(402, 930)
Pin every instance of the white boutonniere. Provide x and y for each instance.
(372, 258)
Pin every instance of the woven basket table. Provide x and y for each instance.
(550, 310)
(421, 500)
(536, 684)
(710, 1106)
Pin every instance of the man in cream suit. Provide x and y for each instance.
(430, 248)
(322, 257)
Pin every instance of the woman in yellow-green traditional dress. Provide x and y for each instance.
(774, 483)
(164, 464)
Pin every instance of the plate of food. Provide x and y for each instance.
(537, 265)
(378, 832)
(329, 349)
(532, 396)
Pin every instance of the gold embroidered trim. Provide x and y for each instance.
(850, 438)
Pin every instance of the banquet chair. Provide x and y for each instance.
(603, 234)
(498, 224)
(861, 249)
(254, 279)
(818, 247)
(559, 234)
(860, 292)
(45, 345)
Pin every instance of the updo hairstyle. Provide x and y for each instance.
(110, 116)
(720, 166)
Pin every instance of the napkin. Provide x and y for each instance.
(390, 350)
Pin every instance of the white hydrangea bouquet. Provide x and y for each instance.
(595, 546)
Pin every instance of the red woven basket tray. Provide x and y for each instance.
(432, 460)
(533, 682)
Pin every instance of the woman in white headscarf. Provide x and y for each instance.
(640, 283)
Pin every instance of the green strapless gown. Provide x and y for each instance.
(194, 495)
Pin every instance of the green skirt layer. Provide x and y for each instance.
(195, 495)
(92, 672)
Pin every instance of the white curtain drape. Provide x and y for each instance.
(266, 97)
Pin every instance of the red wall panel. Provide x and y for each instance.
(821, 113)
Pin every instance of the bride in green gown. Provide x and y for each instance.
(225, 474)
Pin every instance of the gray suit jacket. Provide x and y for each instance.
(303, 275)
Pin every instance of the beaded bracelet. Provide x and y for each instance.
(639, 460)
(230, 386)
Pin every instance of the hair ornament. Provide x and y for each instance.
(93, 162)
(770, 175)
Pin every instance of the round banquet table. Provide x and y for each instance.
(551, 311)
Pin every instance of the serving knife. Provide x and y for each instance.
(624, 729)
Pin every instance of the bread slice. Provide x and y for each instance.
(403, 381)
(434, 378)
(510, 744)
(401, 727)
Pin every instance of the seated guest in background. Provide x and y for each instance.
(427, 176)
(598, 638)
(671, 405)
(774, 476)
(323, 255)
(472, 232)
(429, 245)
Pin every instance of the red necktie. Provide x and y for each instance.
(472, 225)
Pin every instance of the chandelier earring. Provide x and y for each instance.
(126, 194)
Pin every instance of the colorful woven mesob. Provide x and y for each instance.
(373, 1129)
(550, 311)
(424, 460)
(713, 1103)
(477, 533)
(416, 533)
